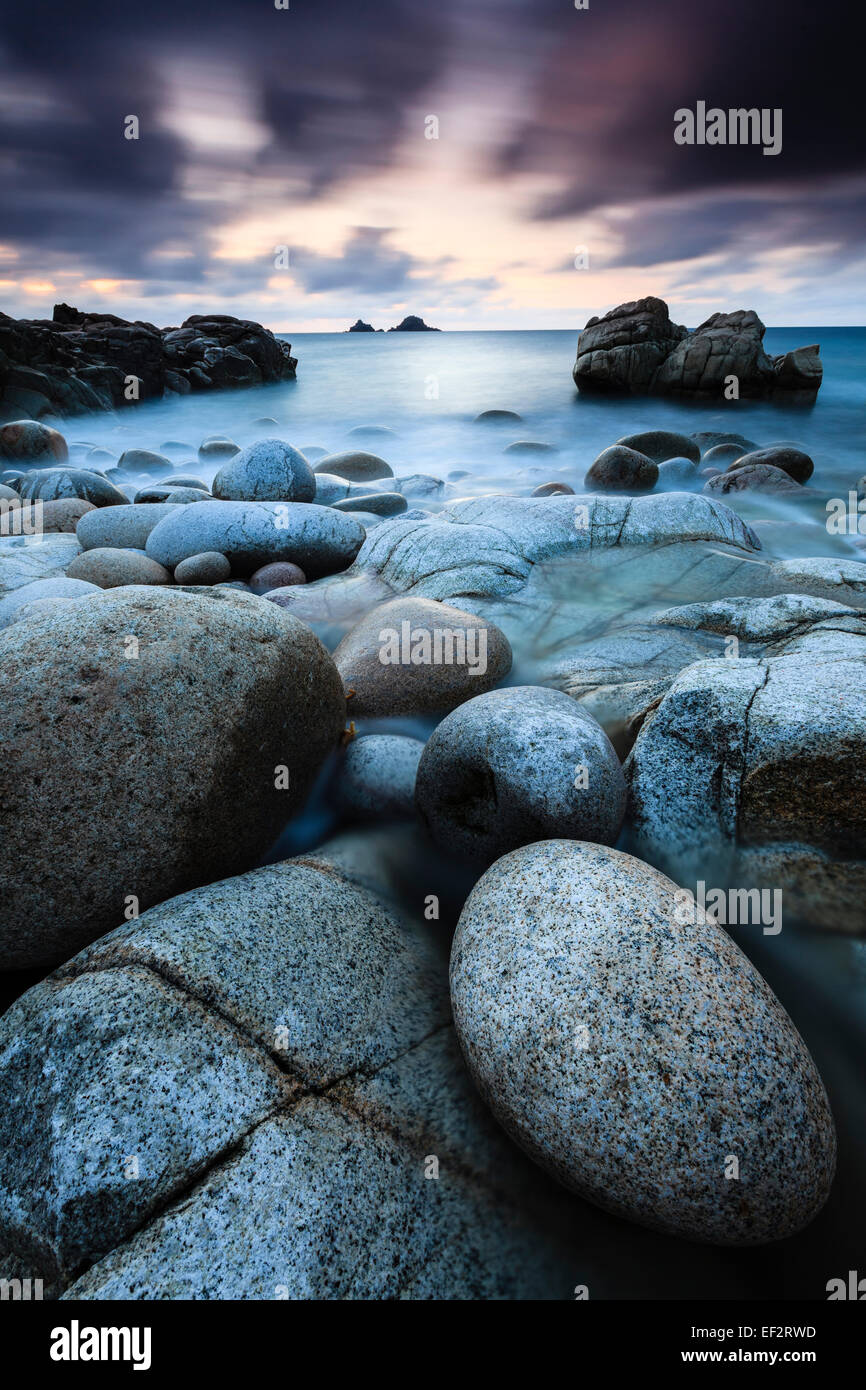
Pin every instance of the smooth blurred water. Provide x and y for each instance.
(428, 387)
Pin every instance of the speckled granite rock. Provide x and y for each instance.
(268, 1070)
(517, 765)
(253, 534)
(633, 1054)
(375, 778)
(121, 527)
(24, 559)
(42, 589)
(496, 548)
(268, 471)
(169, 713)
(843, 580)
(110, 568)
(65, 513)
(761, 754)
(414, 656)
(619, 674)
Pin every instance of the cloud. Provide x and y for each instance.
(244, 108)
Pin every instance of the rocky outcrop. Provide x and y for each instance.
(359, 326)
(636, 350)
(413, 324)
(77, 362)
(751, 770)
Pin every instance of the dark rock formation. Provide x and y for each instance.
(77, 362)
(359, 326)
(636, 350)
(412, 324)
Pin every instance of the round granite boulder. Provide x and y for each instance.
(268, 471)
(252, 534)
(553, 490)
(417, 656)
(65, 513)
(32, 442)
(375, 778)
(208, 568)
(217, 447)
(143, 461)
(374, 503)
(121, 528)
(632, 1049)
(620, 469)
(677, 474)
(281, 575)
(259, 1073)
(62, 588)
(185, 731)
(516, 765)
(50, 484)
(757, 477)
(498, 417)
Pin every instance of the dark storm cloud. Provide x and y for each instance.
(333, 84)
(601, 120)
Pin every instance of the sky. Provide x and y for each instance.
(285, 169)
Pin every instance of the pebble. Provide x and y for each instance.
(355, 466)
(621, 469)
(110, 569)
(660, 445)
(280, 575)
(267, 471)
(209, 568)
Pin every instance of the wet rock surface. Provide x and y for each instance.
(635, 349)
